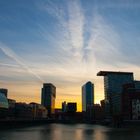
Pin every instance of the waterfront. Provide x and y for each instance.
(69, 132)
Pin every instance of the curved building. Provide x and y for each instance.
(3, 101)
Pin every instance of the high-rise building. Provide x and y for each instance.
(113, 85)
(48, 97)
(87, 96)
(4, 91)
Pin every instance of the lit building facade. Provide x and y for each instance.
(113, 85)
(87, 96)
(48, 97)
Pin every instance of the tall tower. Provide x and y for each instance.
(48, 97)
(113, 84)
(87, 96)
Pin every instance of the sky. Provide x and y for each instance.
(66, 42)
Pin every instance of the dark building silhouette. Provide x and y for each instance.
(71, 107)
(4, 91)
(88, 101)
(131, 101)
(113, 84)
(64, 106)
(98, 112)
(68, 113)
(23, 111)
(87, 96)
(38, 111)
(102, 102)
(11, 109)
(48, 97)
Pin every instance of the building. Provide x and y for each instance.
(23, 111)
(88, 101)
(102, 102)
(11, 109)
(71, 107)
(3, 101)
(38, 111)
(131, 101)
(87, 96)
(68, 113)
(64, 106)
(4, 91)
(3, 106)
(113, 85)
(48, 97)
(98, 112)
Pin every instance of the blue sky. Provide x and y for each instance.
(66, 42)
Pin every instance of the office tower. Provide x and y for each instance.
(4, 91)
(48, 97)
(87, 96)
(113, 84)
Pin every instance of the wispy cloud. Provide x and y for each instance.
(11, 54)
(75, 25)
(70, 23)
(74, 55)
(103, 46)
(9, 65)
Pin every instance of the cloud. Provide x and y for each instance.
(72, 55)
(118, 4)
(11, 54)
(76, 23)
(69, 53)
(70, 25)
(9, 65)
(103, 46)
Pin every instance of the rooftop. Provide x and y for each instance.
(48, 84)
(104, 73)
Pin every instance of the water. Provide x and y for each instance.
(69, 132)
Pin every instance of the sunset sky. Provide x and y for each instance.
(66, 42)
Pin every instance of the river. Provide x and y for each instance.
(69, 132)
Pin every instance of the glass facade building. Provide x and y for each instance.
(48, 97)
(3, 106)
(4, 91)
(113, 85)
(3, 101)
(87, 96)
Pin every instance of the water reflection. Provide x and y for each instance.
(69, 132)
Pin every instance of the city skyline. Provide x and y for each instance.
(66, 43)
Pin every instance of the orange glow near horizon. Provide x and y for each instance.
(25, 94)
